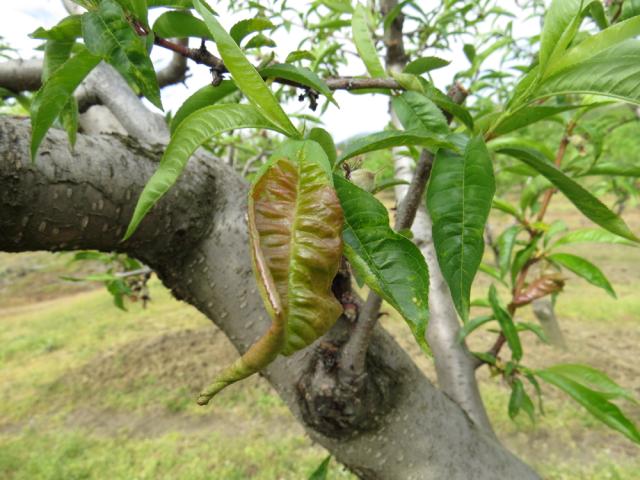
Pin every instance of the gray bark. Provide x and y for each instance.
(196, 240)
(544, 311)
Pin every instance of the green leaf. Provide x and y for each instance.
(536, 329)
(51, 99)
(528, 116)
(364, 43)
(505, 207)
(325, 140)
(469, 52)
(459, 197)
(612, 169)
(472, 325)
(298, 55)
(295, 223)
(425, 64)
(610, 73)
(245, 75)
(519, 400)
(446, 104)
(69, 120)
(69, 28)
(196, 129)
(506, 241)
(260, 40)
(589, 205)
(300, 75)
(246, 27)
(594, 379)
(595, 44)
(561, 23)
(417, 113)
(585, 269)
(389, 139)
(506, 324)
(322, 471)
(138, 8)
(595, 403)
(389, 263)
(107, 34)
(180, 24)
(591, 235)
(204, 97)
(521, 258)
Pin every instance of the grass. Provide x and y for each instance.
(91, 392)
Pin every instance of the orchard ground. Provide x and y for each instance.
(88, 391)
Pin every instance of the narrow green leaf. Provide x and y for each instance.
(390, 139)
(298, 55)
(591, 235)
(521, 258)
(364, 43)
(246, 27)
(322, 471)
(528, 116)
(589, 205)
(585, 269)
(592, 378)
(180, 24)
(206, 96)
(196, 129)
(260, 40)
(506, 324)
(610, 73)
(389, 263)
(138, 8)
(300, 75)
(51, 99)
(446, 104)
(244, 74)
(520, 400)
(536, 329)
(418, 113)
(107, 34)
(595, 403)
(472, 325)
(561, 23)
(69, 120)
(596, 44)
(459, 197)
(506, 241)
(325, 140)
(612, 169)
(69, 28)
(505, 207)
(425, 64)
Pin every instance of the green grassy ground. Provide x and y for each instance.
(90, 392)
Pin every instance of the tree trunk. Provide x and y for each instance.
(196, 240)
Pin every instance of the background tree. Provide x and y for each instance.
(356, 391)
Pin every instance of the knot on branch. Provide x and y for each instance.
(341, 406)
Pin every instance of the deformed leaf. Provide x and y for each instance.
(541, 287)
(389, 263)
(295, 223)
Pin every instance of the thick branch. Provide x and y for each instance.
(196, 239)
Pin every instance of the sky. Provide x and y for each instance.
(357, 113)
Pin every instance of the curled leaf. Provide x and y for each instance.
(541, 287)
(295, 225)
